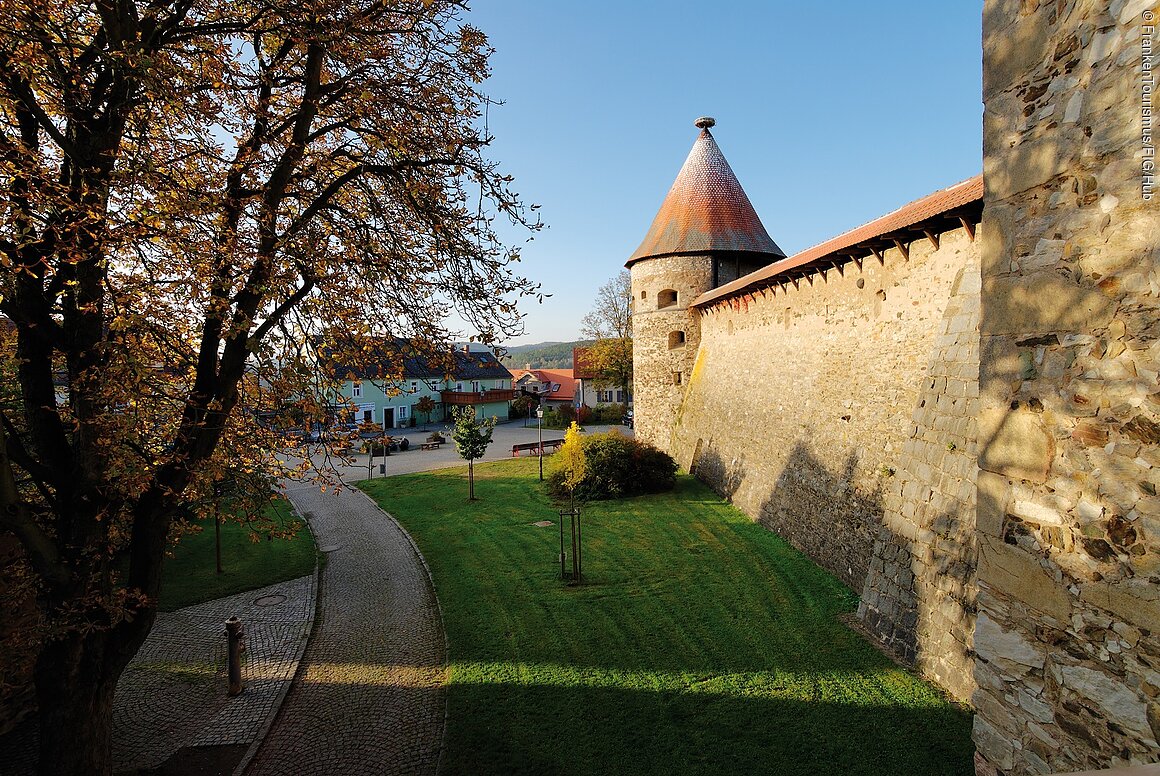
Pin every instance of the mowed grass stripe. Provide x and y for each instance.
(701, 643)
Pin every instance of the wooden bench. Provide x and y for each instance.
(430, 445)
(553, 444)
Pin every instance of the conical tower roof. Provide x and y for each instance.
(706, 210)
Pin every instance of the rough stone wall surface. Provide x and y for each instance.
(800, 402)
(655, 361)
(919, 597)
(1068, 628)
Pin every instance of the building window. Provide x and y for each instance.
(666, 298)
(403, 413)
(676, 378)
(459, 387)
(475, 386)
(644, 294)
(676, 340)
(356, 390)
(414, 386)
(620, 397)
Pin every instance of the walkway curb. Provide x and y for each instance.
(260, 736)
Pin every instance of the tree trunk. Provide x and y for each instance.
(76, 677)
(470, 481)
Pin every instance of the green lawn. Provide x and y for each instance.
(190, 577)
(701, 643)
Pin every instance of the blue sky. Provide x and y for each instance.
(830, 114)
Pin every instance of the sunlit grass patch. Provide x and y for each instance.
(700, 643)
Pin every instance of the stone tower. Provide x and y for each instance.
(705, 235)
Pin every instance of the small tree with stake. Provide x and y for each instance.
(471, 440)
(573, 464)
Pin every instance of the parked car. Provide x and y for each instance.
(627, 419)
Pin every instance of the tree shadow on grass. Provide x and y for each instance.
(570, 730)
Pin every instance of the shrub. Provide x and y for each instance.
(435, 436)
(617, 466)
(608, 414)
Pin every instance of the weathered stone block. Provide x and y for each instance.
(993, 493)
(1115, 702)
(1012, 572)
(1010, 650)
(1016, 444)
(1040, 303)
(1136, 601)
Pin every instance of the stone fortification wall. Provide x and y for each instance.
(919, 597)
(1068, 632)
(661, 367)
(800, 402)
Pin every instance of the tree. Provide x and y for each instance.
(426, 405)
(471, 440)
(571, 459)
(610, 324)
(191, 188)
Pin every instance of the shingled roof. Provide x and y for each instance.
(706, 210)
(384, 359)
(960, 205)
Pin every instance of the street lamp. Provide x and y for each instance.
(540, 437)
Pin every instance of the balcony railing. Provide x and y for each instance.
(478, 397)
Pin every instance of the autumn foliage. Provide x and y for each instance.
(194, 192)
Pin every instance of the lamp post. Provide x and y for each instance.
(540, 437)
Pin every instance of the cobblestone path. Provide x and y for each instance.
(368, 698)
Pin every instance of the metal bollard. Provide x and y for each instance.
(234, 636)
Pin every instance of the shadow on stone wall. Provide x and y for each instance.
(709, 467)
(821, 512)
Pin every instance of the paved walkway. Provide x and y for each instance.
(172, 696)
(369, 698)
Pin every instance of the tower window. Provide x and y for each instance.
(666, 298)
(676, 340)
(676, 378)
(644, 294)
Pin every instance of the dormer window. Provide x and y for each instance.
(555, 387)
(666, 298)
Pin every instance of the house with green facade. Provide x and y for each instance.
(470, 375)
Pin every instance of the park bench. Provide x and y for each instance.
(549, 445)
(430, 445)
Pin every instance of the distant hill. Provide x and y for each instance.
(542, 355)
